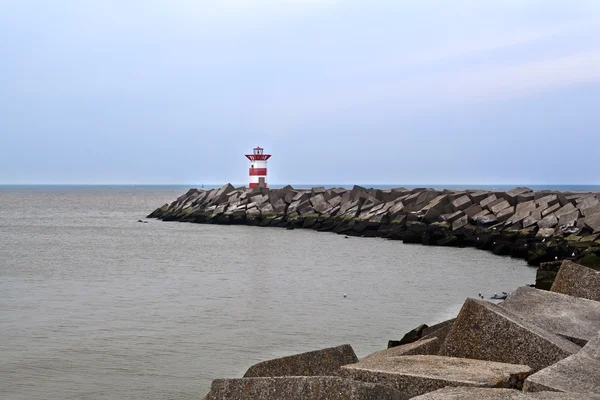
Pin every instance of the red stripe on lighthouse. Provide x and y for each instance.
(258, 171)
(253, 185)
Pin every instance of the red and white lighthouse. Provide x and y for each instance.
(258, 167)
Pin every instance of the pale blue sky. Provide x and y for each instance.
(339, 91)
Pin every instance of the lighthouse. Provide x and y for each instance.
(258, 167)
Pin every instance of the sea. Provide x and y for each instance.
(95, 304)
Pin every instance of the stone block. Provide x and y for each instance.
(550, 209)
(452, 217)
(486, 220)
(313, 363)
(577, 280)
(485, 331)
(488, 200)
(588, 202)
(419, 374)
(473, 393)
(477, 197)
(544, 232)
(473, 210)
(550, 200)
(505, 214)
(549, 221)
(569, 218)
(529, 221)
(512, 195)
(573, 318)
(462, 203)
(564, 210)
(526, 206)
(299, 388)
(459, 223)
(519, 216)
(522, 198)
(429, 346)
(579, 373)
(587, 212)
(319, 204)
(496, 208)
(593, 223)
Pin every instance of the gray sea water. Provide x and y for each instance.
(95, 305)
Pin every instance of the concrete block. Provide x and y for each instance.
(549, 221)
(496, 208)
(462, 203)
(472, 393)
(488, 200)
(550, 209)
(577, 280)
(485, 331)
(573, 318)
(579, 373)
(299, 388)
(429, 346)
(419, 374)
(319, 362)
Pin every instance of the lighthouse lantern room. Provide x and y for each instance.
(258, 167)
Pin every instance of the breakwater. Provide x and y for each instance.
(540, 227)
(534, 344)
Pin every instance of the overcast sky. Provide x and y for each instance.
(339, 91)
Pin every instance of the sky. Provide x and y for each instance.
(338, 91)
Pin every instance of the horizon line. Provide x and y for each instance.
(298, 184)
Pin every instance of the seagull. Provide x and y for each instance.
(345, 295)
(543, 240)
(526, 244)
(573, 255)
(556, 257)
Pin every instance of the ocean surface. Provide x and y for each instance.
(96, 305)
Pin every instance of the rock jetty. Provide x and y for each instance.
(540, 227)
(536, 344)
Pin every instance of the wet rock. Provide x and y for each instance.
(419, 374)
(575, 319)
(299, 388)
(577, 280)
(579, 373)
(503, 336)
(319, 362)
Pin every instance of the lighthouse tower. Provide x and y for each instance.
(258, 167)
